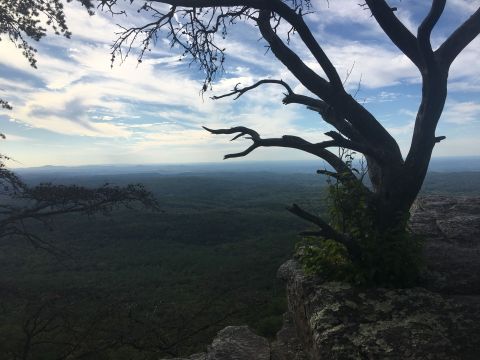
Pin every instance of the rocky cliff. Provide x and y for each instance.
(332, 320)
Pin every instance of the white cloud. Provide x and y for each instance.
(461, 113)
(456, 146)
(465, 7)
(406, 129)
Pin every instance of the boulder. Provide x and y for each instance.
(238, 343)
(450, 227)
(235, 343)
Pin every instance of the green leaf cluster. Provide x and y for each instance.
(389, 257)
(324, 257)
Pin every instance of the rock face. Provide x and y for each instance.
(451, 228)
(336, 321)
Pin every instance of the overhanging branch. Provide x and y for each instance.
(320, 106)
(327, 231)
(238, 91)
(287, 141)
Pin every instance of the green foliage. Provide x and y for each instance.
(213, 252)
(390, 257)
(208, 261)
(324, 257)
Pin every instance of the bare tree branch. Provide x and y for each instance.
(237, 91)
(288, 141)
(396, 31)
(327, 231)
(425, 31)
(327, 112)
(343, 104)
(310, 79)
(297, 21)
(459, 39)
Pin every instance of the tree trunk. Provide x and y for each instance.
(397, 186)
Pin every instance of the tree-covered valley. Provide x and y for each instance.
(143, 284)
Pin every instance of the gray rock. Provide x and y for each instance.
(238, 343)
(337, 321)
(451, 228)
(286, 345)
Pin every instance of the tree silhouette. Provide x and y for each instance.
(21, 21)
(196, 25)
(23, 205)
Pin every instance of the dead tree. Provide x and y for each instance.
(195, 25)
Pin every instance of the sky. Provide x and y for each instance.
(77, 109)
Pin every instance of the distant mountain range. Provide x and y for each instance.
(439, 164)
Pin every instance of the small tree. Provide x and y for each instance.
(395, 181)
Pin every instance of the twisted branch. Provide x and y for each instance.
(327, 231)
(287, 141)
(237, 91)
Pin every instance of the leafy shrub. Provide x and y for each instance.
(324, 257)
(393, 260)
(390, 258)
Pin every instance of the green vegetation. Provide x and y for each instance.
(146, 285)
(143, 285)
(391, 257)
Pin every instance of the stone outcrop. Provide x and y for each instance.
(337, 321)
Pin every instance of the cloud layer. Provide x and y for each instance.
(153, 112)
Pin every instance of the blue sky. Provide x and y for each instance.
(75, 109)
